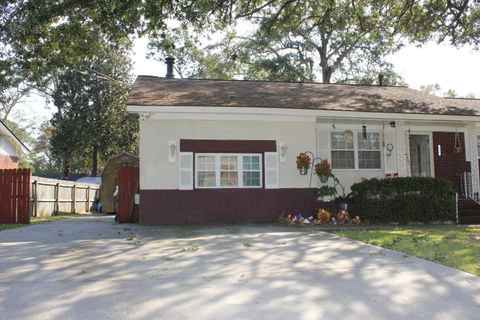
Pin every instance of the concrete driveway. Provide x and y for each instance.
(91, 268)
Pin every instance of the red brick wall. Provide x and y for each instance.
(8, 162)
(223, 205)
(449, 165)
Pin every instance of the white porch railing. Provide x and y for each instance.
(466, 187)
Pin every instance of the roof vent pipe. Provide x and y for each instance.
(170, 61)
(380, 79)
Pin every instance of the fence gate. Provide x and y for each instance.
(128, 183)
(15, 196)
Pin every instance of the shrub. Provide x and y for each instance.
(404, 200)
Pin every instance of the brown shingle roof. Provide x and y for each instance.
(155, 91)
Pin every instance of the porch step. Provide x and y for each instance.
(468, 211)
(469, 220)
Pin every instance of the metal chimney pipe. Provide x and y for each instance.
(170, 61)
(380, 79)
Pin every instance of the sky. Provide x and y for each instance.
(451, 68)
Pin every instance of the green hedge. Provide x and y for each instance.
(403, 200)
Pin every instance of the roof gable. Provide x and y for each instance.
(5, 131)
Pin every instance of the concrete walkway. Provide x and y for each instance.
(91, 268)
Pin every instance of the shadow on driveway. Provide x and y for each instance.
(94, 268)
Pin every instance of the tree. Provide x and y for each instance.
(345, 41)
(92, 122)
(349, 39)
(432, 89)
(450, 93)
(44, 37)
(41, 157)
(194, 58)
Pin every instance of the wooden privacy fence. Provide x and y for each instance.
(14, 196)
(51, 196)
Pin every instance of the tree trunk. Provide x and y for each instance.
(326, 69)
(65, 168)
(94, 161)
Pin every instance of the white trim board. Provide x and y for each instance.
(175, 112)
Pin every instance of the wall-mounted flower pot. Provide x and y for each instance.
(323, 179)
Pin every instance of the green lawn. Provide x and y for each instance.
(35, 220)
(457, 247)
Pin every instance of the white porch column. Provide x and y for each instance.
(472, 141)
(401, 146)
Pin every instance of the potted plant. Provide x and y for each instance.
(303, 163)
(323, 169)
(326, 193)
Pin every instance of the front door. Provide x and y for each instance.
(420, 165)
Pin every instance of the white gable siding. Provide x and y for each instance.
(6, 147)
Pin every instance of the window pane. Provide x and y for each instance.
(337, 141)
(229, 179)
(228, 163)
(343, 159)
(251, 179)
(372, 142)
(369, 160)
(478, 146)
(206, 179)
(251, 163)
(206, 163)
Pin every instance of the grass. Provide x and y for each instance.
(457, 247)
(38, 220)
(64, 216)
(7, 226)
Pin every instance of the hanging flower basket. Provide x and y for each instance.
(303, 171)
(323, 179)
(323, 169)
(303, 163)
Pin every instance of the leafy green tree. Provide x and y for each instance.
(307, 40)
(450, 93)
(194, 58)
(432, 89)
(41, 38)
(92, 122)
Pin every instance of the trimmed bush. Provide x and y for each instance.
(409, 199)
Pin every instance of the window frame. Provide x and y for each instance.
(349, 150)
(217, 157)
(379, 150)
(356, 151)
(478, 145)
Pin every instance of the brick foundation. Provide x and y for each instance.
(223, 205)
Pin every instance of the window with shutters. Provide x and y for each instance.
(228, 170)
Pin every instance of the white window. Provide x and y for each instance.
(369, 155)
(343, 152)
(205, 170)
(355, 151)
(214, 170)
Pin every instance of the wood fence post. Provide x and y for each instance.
(35, 197)
(88, 198)
(57, 200)
(74, 202)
